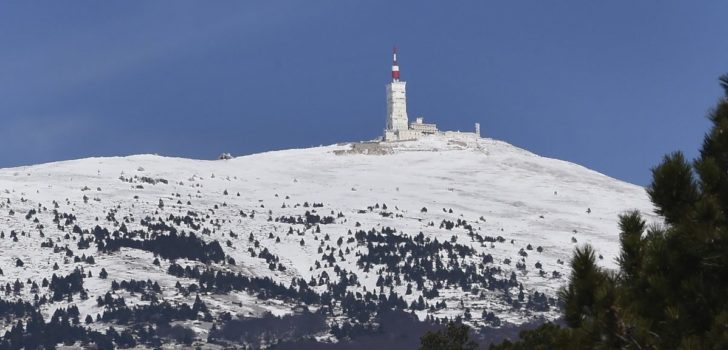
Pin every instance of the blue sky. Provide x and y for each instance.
(611, 85)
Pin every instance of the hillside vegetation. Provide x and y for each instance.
(670, 291)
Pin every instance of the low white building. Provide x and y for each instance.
(422, 127)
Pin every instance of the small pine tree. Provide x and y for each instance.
(670, 290)
(453, 337)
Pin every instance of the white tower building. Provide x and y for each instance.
(398, 126)
(396, 106)
(397, 122)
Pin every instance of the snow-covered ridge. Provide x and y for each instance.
(498, 189)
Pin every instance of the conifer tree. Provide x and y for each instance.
(631, 226)
(670, 291)
(453, 337)
(579, 296)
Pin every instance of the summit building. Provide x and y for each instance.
(398, 126)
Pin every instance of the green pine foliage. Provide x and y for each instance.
(546, 337)
(671, 290)
(453, 337)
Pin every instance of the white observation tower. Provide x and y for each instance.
(396, 104)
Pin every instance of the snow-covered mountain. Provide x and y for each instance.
(442, 227)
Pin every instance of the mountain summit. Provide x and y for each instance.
(329, 237)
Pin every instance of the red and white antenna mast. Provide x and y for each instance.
(395, 66)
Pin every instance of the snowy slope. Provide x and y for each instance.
(497, 188)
